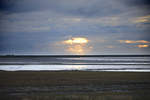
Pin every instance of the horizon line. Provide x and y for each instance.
(118, 55)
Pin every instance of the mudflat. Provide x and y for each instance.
(74, 85)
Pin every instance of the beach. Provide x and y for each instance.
(117, 77)
(74, 85)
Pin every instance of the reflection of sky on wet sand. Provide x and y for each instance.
(124, 68)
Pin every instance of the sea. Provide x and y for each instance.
(78, 63)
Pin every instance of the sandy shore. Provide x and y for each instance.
(77, 83)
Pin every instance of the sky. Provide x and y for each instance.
(84, 27)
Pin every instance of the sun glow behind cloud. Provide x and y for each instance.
(137, 43)
(142, 19)
(77, 45)
(78, 40)
(132, 41)
(142, 46)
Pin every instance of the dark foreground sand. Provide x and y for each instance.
(74, 85)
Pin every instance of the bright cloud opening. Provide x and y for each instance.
(132, 41)
(142, 46)
(78, 40)
(142, 19)
(138, 43)
(77, 45)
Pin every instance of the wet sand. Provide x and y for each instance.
(74, 85)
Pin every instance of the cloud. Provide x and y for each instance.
(137, 3)
(46, 28)
(24, 22)
(76, 40)
(137, 43)
(101, 21)
(72, 19)
(143, 19)
(132, 41)
(77, 45)
(142, 46)
(110, 46)
(86, 8)
(62, 14)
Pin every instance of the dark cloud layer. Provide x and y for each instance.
(137, 2)
(80, 7)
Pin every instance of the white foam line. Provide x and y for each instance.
(74, 67)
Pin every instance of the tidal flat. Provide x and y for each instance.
(74, 85)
